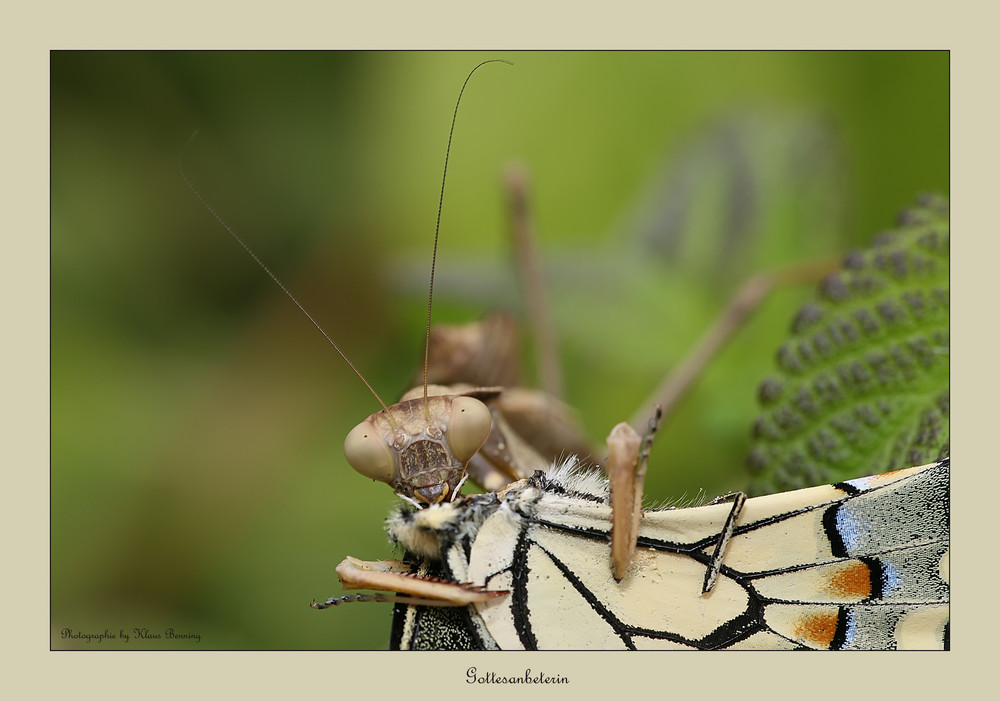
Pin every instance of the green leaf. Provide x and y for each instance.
(862, 384)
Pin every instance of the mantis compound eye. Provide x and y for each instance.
(468, 427)
(367, 452)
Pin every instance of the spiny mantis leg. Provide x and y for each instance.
(628, 457)
(365, 598)
(530, 271)
(712, 574)
(668, 395)
(675, 385)
(411, 588)
(627, 511)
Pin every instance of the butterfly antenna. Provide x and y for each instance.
(437, 227)
(227, 227)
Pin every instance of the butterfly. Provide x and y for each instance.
(857, 565)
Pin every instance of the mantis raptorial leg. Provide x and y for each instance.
(415, 587)
(628, 455)
(426, 445)
(529, 267)
(679, 381)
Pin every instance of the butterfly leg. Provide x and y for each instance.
(628, 457)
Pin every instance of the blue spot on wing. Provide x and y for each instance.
(853, 529)
(851, 633)
(891, 578)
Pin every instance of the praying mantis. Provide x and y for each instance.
(483, 430)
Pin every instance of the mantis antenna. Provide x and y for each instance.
(430, 294)
(241, 242)
(437, 226)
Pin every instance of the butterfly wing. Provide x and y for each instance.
(855, 565)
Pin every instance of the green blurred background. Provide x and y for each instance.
(198, 482)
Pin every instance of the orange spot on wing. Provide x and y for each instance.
(817, 629)
(854, 581)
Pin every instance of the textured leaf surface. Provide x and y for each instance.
(862, 384)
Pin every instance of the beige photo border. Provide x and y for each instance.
(32, 671)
